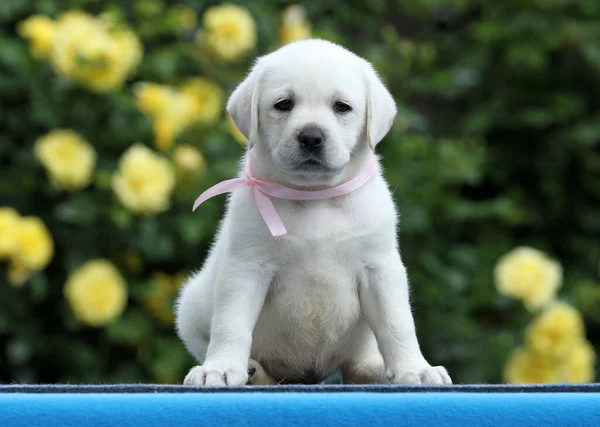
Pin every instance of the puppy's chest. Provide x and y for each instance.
(327, 220)
(323, 257)
(316, 284)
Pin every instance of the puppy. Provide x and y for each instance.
(333, 292)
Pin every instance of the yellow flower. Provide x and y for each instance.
(26, 242)
(235, 132)
(161, 296)
(9, 219)
(207, 98)
(39, 30)
(186, 16)
(17, 274)
(165, 132)
(188, 158)
(152, 99)
(529, 275)
(526, 367)
(144, 181)
(295, 27)
(96, 292)
(229, 31)
(579, 366)
(68, 158)
(178, 116)
(35, 246)
(93, 51)
(171, 111)
(554, 332)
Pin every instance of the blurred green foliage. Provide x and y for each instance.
(497, 144)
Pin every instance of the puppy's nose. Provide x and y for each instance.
(311, 138)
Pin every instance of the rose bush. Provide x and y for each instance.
(112, 122)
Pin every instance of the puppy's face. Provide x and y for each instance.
(311, 113)
(309, 107)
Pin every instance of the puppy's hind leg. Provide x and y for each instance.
(193, 313)
(364, 363)
(257, 375)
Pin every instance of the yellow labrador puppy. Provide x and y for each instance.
(332, 292)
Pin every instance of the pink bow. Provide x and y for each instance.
(262, 190)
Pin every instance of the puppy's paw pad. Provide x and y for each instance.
(207, 376)
(430, 375)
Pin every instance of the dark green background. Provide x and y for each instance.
(497, 145)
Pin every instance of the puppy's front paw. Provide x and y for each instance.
(212, 376)
(422, 375)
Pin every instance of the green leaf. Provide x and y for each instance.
(80, 209)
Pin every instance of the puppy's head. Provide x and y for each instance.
(309, 106)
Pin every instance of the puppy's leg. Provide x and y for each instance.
(239, 294)
(364, 364)
(193, 313)
(384, 302)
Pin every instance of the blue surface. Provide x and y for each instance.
(458, 406)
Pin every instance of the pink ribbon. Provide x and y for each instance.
(262, 190)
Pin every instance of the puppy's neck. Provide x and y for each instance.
(263, 169)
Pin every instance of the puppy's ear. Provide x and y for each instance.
(242, 105)
(381, 107)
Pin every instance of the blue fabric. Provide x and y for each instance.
(299, 406)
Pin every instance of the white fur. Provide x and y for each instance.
(333, 292)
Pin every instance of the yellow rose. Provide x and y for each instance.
(165, 132)
(174, 110)
(228, 31)
(128, 52)
(96, 292)
(292, 33)
(555, 331)
(93, 51)
(295, 27)
(9, 220)
(39, 31)
(17, 274)
(207, 98)
(174, 120)
(35, 246)
(161, 296)
(188, 158)
(579, 366)
(170, 111)
(526, 367)
(144, 181)
(152, 99)
(68, 158)
(186, 16)
(235, 132)
(529, 275)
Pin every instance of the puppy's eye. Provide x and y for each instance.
(284, 105)
(341, 107)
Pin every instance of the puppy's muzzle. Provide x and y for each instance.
(311, 138)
